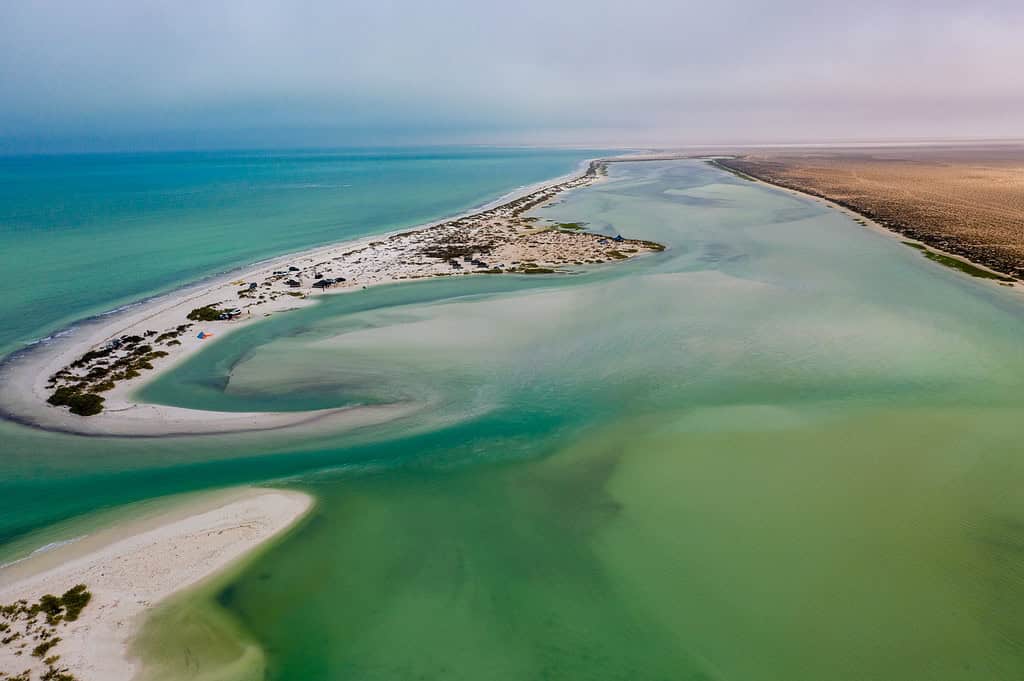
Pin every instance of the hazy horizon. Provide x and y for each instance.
(119, 76)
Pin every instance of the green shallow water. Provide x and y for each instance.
(785, 448)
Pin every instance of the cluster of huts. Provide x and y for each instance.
(321, 281)
(469, 260)
(327, 282)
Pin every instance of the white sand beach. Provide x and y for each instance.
(135, 565)
(157, 334)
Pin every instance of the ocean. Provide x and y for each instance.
(84, 234)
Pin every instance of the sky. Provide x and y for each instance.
(119, 74)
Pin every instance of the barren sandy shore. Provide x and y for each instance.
(865, 219)
(963, 201)
(110, 357)
(133, 566)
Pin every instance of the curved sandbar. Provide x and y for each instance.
(110, 357)
(131, 567)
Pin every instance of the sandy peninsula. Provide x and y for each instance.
(127, 570)
(83, 382)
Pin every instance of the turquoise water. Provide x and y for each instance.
(785, 448)
(82, 234)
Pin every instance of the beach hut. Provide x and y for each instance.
(292, 283)
(618, 238)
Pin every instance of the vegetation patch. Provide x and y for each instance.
(957, 264)
(207, 313)
(33, 628)
(455, 251)
(82, 404)
(738, 173)
(44, 647)
(90, 356)
(652, 245)
(98, 371)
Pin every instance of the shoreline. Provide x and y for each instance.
(131, 566)
(498, 231)
(865, 220)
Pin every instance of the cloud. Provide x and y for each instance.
(648, 71)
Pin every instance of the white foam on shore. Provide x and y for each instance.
(44, 549)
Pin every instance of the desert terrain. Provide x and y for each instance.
(967, 200)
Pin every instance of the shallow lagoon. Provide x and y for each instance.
(787, 447)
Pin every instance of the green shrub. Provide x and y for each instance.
(44, 647)
(60, 396)
(49, 605)
(74, 600)
(90, 356)
(86, 404)
(208, 313)
(83, 404)
(54, 674)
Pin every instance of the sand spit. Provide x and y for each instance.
(130, 568)
(95, 370)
